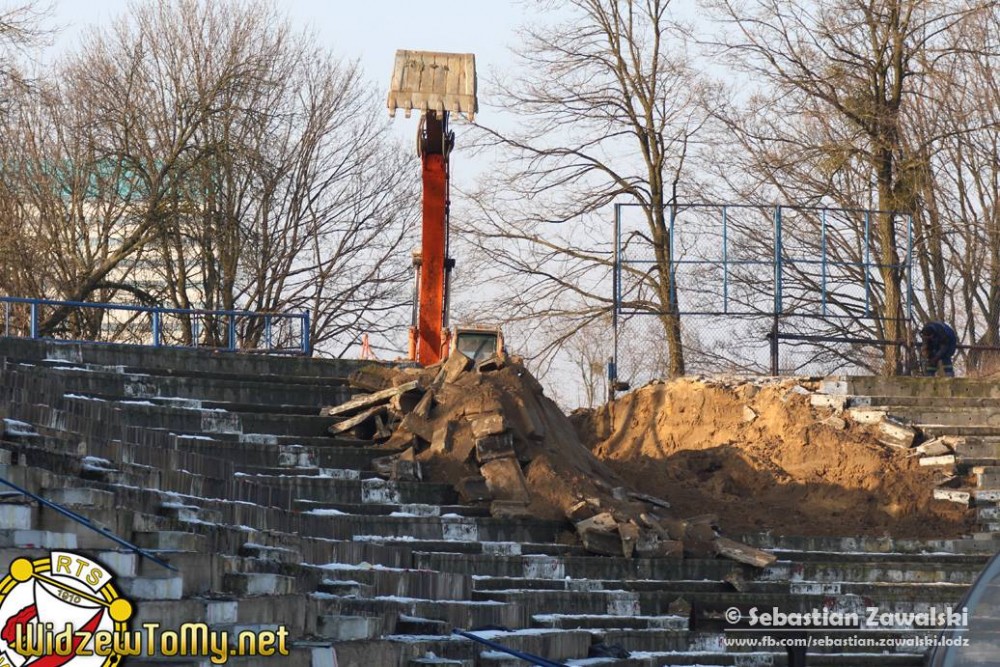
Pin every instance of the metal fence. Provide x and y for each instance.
(230, 330)
(758, 289)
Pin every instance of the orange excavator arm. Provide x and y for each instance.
(436, 84)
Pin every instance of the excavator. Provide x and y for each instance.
(437, 84)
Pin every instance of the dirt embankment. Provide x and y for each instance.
(763, 459)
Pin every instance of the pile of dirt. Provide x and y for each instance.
(758, 454)
(489, 430)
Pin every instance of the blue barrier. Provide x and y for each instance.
(230, 330)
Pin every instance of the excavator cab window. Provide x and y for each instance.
(475, 345)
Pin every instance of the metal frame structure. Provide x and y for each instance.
(156, 316)
(778, 261)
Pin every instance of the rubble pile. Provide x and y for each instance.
(489, 430)
(776, 455)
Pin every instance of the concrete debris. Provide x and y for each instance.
(489, 430)
(361, 402)
(748, 414)
(935, 447)
(894, 433)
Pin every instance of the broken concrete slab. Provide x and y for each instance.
(935, 447)
(357, 420)
(652, 500)
(832, 402)
(512, 509)
(490, 364)
(456, 364)
(443, 438)
(629, 534)
(361, 402)
(866, 415)
(505, 480)
(953, 495)
(743, 553)
(473, 489)
(488, 424)
(601, 542)
(946, 460)
(494, 447)
(603, 521)
(894, 433)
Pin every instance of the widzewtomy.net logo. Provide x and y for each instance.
(65, 610)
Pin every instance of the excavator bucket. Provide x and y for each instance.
(434, 81)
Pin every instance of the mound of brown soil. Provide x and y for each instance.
(762, 459)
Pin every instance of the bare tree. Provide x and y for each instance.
(605, 108)
(210, 157)
(839, 80)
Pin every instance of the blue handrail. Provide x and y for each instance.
(156, 329)
(527, 657)
(87, 523)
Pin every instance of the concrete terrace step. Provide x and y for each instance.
(925, 402)
(118, 382)
(174, 358)
(143, 413)
(377, 509)
(910, 386)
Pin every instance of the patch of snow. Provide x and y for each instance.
(15, 427)
(84, 398)
(147, 403)
(326, 512)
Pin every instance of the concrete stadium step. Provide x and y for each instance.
(645, 603)
(143, 413)
(118, 382)
(381, 581)
(485, 587)
(910, 386)
(377, 509)
(343, 490)
(167, 358)
(456, 613)
(925, 402)
(853, 548)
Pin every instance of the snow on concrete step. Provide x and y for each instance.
(251, 584)
(37, 539)
(383, 492)
(348, 628)
(17, 517)
(152, 588)
(80, 496)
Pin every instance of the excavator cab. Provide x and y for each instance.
(437, 85)
(478, 343)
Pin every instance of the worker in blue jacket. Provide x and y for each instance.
(939, 343)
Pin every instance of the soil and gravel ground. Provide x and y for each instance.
(759, 456)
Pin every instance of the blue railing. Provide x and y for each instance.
(231, 330)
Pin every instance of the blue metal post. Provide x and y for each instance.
(868, 259)
(6, 318)
(725, 260)
(777, 260)
(822, 259)
(306, 345)
(616, 289)
(34, 319)
(670, 258)
(232, 331)
(267, 332)
(156, 327)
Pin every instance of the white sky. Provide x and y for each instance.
(370, 31)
